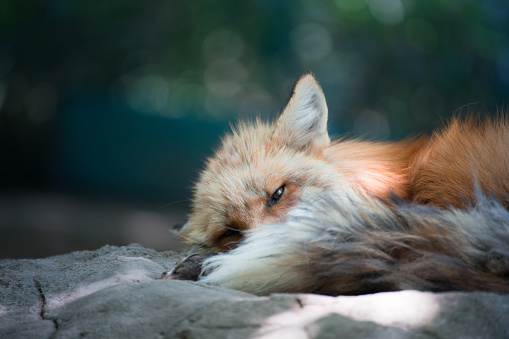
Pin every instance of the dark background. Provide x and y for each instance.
(108, 108)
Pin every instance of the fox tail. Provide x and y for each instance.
(333, 248)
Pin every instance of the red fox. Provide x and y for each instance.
(287, 210)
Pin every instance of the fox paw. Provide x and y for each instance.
(187, 269)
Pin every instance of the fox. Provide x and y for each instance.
(280, 207)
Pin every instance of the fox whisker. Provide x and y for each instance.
(171, 203)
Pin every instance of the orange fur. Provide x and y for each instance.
(380, 168)
(455, 158)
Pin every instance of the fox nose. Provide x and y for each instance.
(178, 227)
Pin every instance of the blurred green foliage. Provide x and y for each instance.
(87, 88)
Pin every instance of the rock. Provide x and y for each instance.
(115, 292)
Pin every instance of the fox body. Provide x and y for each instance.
(290, 211)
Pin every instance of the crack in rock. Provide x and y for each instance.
(42, 312)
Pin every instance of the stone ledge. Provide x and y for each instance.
(114, 292)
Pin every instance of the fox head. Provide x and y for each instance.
(261, 171)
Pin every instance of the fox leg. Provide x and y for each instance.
(187, 269)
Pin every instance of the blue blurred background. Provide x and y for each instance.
(108, 108)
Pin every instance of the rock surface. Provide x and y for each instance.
(115, 292)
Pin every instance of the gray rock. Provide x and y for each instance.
(115, 292)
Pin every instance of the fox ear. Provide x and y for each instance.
(303, 123)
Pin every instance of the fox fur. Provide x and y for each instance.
(290, 211)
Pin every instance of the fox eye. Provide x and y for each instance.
(276, 196)
(230, 232)
(229, 239)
